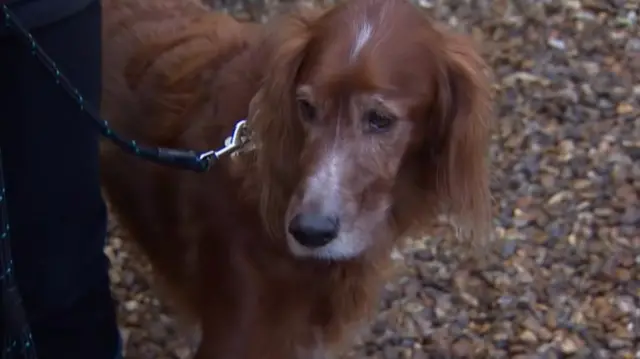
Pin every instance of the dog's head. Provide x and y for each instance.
(369, 120)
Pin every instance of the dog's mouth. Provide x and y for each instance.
(322, 236)
(344, 247)
(334, 232)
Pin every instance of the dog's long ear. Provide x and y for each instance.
(462, 164)
(449, 170)
(278, 133)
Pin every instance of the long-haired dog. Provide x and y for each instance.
(366, 121)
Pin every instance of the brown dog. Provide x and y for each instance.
(365, 121)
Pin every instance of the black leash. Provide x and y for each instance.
(17, 334)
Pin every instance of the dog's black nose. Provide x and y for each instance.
(313, 230)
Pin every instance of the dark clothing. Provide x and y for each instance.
(50, 157)
(37, 13)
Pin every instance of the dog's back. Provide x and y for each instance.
(166, 69)
(158, 58)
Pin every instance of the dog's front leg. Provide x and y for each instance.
(224, 328)
(229, 305)
(245, 333)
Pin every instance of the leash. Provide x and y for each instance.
(17, 333)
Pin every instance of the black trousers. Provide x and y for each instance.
(56, 211)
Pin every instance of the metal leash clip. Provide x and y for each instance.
(231, 144)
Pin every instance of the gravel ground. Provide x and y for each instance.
(563, 278)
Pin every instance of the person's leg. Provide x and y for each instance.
(56, 212)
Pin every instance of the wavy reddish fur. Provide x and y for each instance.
(179, 75)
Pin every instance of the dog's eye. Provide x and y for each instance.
(307, 110)
(377, 122)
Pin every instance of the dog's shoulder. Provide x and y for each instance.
(164, 53)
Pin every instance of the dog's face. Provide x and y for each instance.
(375, 119)
(355, 106)
(354, 145)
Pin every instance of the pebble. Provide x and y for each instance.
(568, 347)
